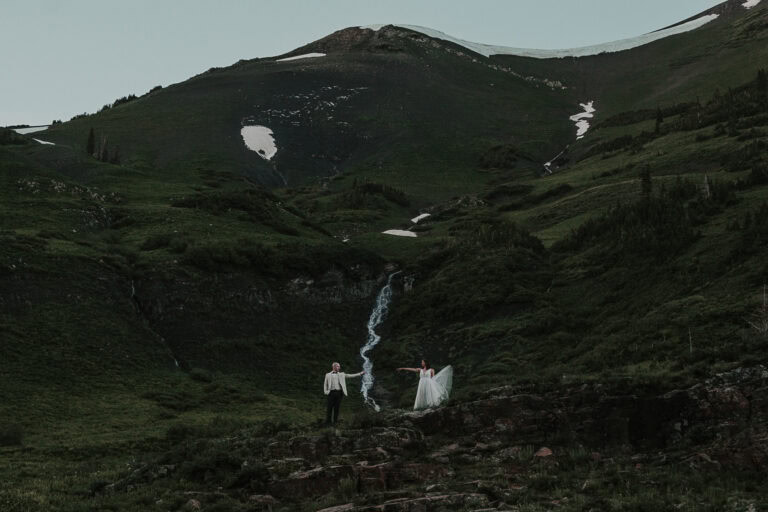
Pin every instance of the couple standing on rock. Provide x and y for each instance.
(433, 388)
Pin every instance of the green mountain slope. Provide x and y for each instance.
(720, 54)
(190, 287)
(405, 113)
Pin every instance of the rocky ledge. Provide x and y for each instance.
(494, 453)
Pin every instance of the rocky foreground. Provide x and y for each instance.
(586, 447)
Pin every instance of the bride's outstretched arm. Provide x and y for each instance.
(409, 369)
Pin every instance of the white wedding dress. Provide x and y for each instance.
(433, 391)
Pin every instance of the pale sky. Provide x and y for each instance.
(62, 58)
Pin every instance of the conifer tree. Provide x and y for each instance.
(115, 156)
(104, 149)
(762, 87)
(659, 119)
(90, 147)
(759, 318)
(646, 184)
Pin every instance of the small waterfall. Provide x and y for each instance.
(377, 317)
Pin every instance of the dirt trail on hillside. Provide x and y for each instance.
(635, 180)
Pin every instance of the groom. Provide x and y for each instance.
(335, 388)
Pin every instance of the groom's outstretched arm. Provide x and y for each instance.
(353, 374)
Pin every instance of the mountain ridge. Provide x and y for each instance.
(727, 8)
(219, 102)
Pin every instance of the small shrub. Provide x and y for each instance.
(176, 401)
(258, 396)
(221, 426)
(347, 488)
(130, 255)
(210, 465)
(281, 228)
(122, 222)
(524, 453)
(156, 242)
(506, 191)
(358, 197)
(178, 245)
(258, 205)
(97, 487)
(270, 428)
(200, 375)
(311, 225)
(254, 476)
(500, 157)
(11, 434)
(47, 233)
(180, 432)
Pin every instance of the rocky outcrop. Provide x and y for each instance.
(432, 501)
(249, 312)
(483, 454)
(351, 39)
(594, 416)
(720, 423)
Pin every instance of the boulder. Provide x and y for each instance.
(308, 484)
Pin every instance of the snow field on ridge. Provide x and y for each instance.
(614, 46)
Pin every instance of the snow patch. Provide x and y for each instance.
(615, 46)
(423, 216)
(400, 232)
(304, 56)
(31, 129)
(582, 125)
(44, 142)
(750, 4)
(259, 139)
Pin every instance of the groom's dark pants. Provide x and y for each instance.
(334, 402)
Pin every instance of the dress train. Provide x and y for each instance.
(432, 391)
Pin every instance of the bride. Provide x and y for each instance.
(433, 389)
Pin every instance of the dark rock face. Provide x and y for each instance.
(188, 313)
(311, 483)
(720, 408)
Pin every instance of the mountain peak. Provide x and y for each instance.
(354, 39)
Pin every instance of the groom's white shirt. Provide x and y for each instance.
(342, 381)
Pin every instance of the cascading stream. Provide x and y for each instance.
(378, 315)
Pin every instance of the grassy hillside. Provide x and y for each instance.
(646, 262)
(88, 260)
(171, 296)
